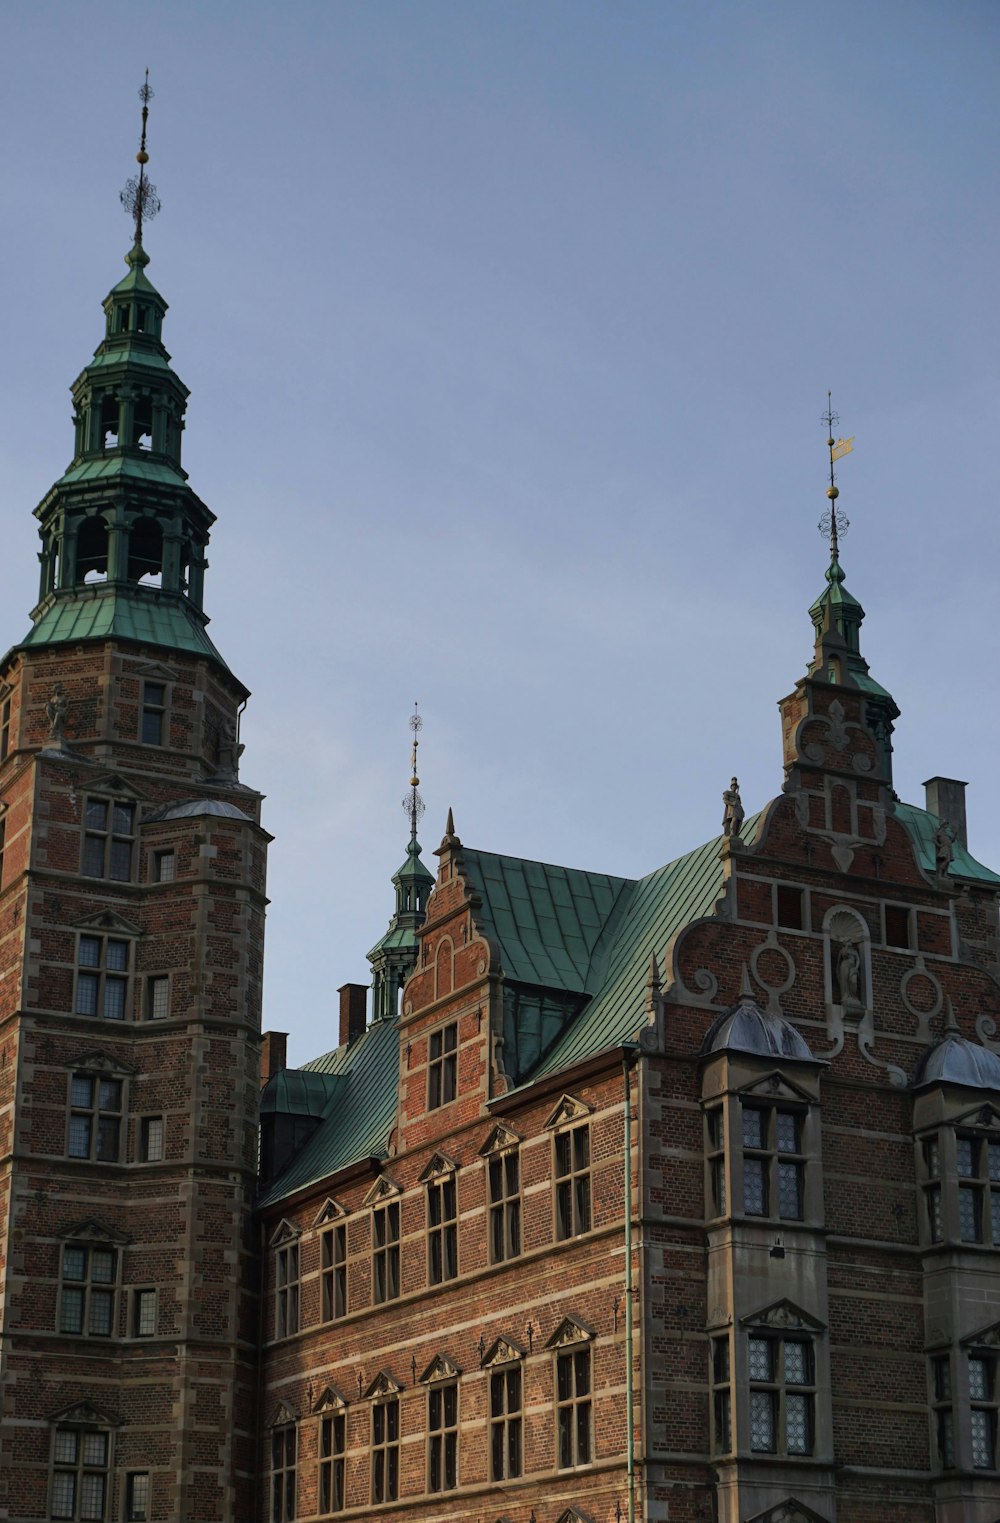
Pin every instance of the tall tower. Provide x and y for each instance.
(131, 947)
(394, 957)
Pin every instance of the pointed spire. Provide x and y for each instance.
(450, 839)
(746, 988)
(138, 196)
(413, 804)
(654, 994)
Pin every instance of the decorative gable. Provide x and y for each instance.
(284, 1232)
(282, 1416)
(500, 1140)
(107, 920)
(384, 1188)
(980, 1115)
(96, 1061)
(788, 1511)
(156, 669)
(330, 1400)
(503, 1351)
(330, 1211)
(112, 782)
(440, 1368)
(569, 1109)
(784, 1316)
(92, 1230)
(986, 1337)
(569, 1331)
(439, 1167)
(85, 1414)
(573, 1515)
(775, 1086)
(383, 1385)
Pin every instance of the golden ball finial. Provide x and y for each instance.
(142, 157)
(833, 492)
(414, 781)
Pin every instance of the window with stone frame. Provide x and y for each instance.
(506, 1421)
(983, 1407)
(442, 1436)
(137, 1496)
(144, 1313)
(88, 1289)
(715, 1157)
(157, 999)
(942, 1409)
(103, 964)
(959, 1173)
(571, 1151)
(722, 1413)
(81, 1465)
(774, 1160)
(504, 1175)
(332, 1462)
(286, 1288)
(284, 1472)
(109, 839)
(385, 1449)
(781, 1378)
(151, 1139)
(442, 1228)
(94, 1128)
(154, 706)
(930, 1160)
(164, 865)
(4, 729)
(333, 1271)
(385, 1252)
(442, 1066)
(574, 1406)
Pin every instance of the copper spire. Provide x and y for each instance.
(413, 804)
(138, 195)
(835, 521)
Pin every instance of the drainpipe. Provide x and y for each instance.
(629, 1053)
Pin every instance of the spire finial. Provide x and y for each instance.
(413, 804)
(835, 521)
(139, 196)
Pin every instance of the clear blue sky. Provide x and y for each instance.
(508, 328)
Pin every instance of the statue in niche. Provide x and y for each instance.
(55, 712)
(944, 848)
(848, 976)
(733, 813)
(230, 750)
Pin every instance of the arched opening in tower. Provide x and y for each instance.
(142, 423)
(145, 552)
(109, 421)
(92, 551)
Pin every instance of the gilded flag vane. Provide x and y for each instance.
(138, 195)
(835, 521)
(413, 804)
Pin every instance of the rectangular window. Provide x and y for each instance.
(442, 1066)
(87, 1295)
(773, 1162)
(102, 977)
(151, 1139)
(332, 1461)
(283, 1456)
(286, 1290)
(385, 1252)
(333, 1271)
(442, 1445)
(572, 1170)
(944, 1424)
(137, 1496)
(505, 1206)
(154, 698)
(108, 839)
(442, 1230)
(79, 1475)
(790, 907)
(983, 1413)
(505, 1423)
(716, 1157)
(95, 1118)
(782, 1395)
(573, 1408)
(722, 1429)
(385, 1450)
(144, 1314)
(978, 1167)
(164, 866)
(4, 729)
(158, 997)
(897, 925)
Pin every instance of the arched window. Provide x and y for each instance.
(145, 552)
(92, 550)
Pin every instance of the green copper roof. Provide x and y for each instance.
(113, 613)
(300, 1092)
(359, 1116)
(136, 281)
(413, 869)
(921, 826)
(125, 469)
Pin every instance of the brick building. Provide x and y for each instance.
(675, 1198)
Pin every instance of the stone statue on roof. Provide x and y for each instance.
(55, 712)
(944, 848)
(733, 812)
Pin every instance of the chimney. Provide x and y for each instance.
(353, 1012)
(946, 798)
(273, 1047)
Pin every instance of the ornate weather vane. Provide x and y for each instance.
(413, 804)
(835, 521)
(139, 196)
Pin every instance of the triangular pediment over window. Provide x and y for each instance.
(570, 1108)
(500, 1140)
(784, 1316)
(775, 1087)
(92, 1230)
(788, 1511)
(282, 1416)
(503, 1351)
(83, 1414)
(96, 1061)
(107, 920)
(569, 1331)
(112, 782)
(384, 1188)
(330, 1400)
(156, 669)
(383, 1385)
(986, 1337)
(330, 1211)
(573, 1515)
(284, 1232)
(980, 1115)
(440, 1368)
(439, 1166)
